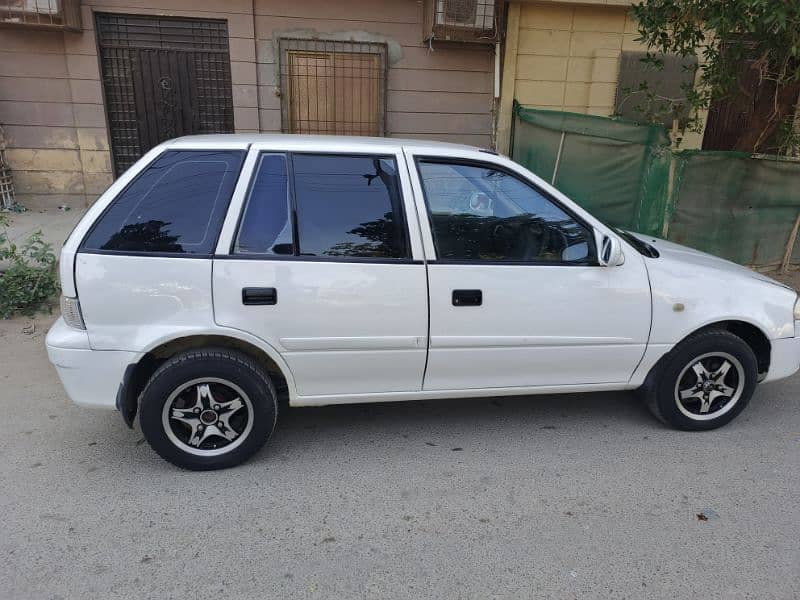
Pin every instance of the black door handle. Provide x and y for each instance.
(467, 297)
(259, 296)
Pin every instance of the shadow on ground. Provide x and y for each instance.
(566, 411)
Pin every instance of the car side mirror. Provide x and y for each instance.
(610, 252)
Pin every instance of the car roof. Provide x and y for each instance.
(312, 141)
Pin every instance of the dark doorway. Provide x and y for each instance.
(163, 78)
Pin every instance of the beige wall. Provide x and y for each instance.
(444, 94)
(566, 57)
(56, 140)
(51, 103)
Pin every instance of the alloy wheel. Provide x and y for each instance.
(709, 386)
(207, 416)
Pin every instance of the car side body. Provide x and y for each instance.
(337, 328)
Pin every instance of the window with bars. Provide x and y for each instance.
(333, 87)
(42, 14)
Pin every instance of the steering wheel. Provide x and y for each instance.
(480, 204)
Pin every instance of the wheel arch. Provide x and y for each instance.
(138, 374)
(751, 334)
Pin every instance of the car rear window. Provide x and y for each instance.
(176, 205)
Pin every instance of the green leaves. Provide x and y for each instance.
(28, 278)
(724, 35)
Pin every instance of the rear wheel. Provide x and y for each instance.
(208, 409)
(704, 382)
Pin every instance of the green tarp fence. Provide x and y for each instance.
(731, 204)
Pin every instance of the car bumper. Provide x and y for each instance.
(90, 377)
(785, 357)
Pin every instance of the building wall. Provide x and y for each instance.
(56, 143)
(566, 57)
(442, 94)
(51, 98)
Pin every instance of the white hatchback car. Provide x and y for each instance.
(225, 277)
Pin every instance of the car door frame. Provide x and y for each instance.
(598, 230)
(299, 146)
(284, 346)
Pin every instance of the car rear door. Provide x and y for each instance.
(317, 259)
(517, 297)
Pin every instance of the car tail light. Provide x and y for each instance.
(71, 311)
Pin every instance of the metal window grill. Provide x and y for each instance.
(463, 20)
(31, 12)
(163, 77)
(333, 87)
(45, 14)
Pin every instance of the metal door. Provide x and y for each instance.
(163, 78)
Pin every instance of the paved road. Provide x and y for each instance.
(563, 497)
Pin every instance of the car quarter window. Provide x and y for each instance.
(176, 205)
(481, 213)
(349, 206)
(266, 226)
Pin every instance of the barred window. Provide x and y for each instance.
(331, 87)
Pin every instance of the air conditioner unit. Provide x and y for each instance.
(64, 15)
(471, 14)
(473, 21)
(42, 7)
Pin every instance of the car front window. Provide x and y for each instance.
(479, 212)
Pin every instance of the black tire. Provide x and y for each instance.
(217, 369)
(662, 388)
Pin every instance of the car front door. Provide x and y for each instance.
(317, 259)
(517, 296)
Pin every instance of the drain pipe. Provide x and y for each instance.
(496, 95)
(497, 48)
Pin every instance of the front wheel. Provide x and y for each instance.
(704, 382)
(208, 409)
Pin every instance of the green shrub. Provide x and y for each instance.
(28, 277)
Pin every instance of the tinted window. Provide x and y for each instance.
(480, 213)
(349, 206)
(177, 204)
(266, 226)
